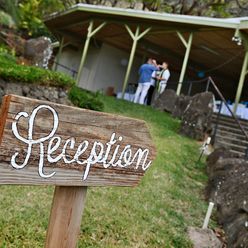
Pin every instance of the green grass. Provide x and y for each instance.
(10, 70)
(154, 214)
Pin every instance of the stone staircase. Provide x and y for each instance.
(229, 134)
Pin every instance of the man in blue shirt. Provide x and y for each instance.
(145, 75)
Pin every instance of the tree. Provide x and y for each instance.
(28, 14)
(32, 12)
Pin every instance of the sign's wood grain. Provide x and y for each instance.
(43, 143)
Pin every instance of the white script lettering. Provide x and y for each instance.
(98, 154)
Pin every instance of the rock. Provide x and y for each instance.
(219, 153)
(123, 4)
(62, 93)
(227, 187)
(108, 3)
(1, 94)
(196, 119)
(180, 106)
(53, 94)
(138, 6)
(25, 90)
(38, 51)
(65, 101)
(36, 92)
(13, 88)
(203, 238)
(16, 42)
(46, 93)
(195, 112)
(2, 83)
(166, 101)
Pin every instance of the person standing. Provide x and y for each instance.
(152, 88)
(145, 75)
(163, 77)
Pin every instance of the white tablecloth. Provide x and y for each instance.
(242, 110)
(225, 111)
(127, 96)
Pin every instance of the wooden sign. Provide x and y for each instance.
(44, 143)
(47, 143)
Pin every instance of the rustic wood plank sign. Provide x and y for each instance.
(44, 143)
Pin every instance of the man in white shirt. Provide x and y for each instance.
(163, 77)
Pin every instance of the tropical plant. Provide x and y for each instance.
(6, 20)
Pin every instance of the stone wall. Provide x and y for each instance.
(197, 116)
(52, 94)
(227, 188)
(194, 111)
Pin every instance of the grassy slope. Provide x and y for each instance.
(11, 71)
(155, 214)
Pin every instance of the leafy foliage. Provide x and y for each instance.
(85, 99)
(32, 13)
(6, 20)
(29, 14)
(5, 50)
(10, 70)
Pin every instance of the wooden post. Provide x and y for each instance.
(90, 34)
(185, 60)
(243, 74)
(65, 217)
(135, 37)
(110, 155)
(57, 59)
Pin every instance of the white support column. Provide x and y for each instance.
(243, 74)
(187, 44)
(135, 37)
(90, 34)
(57, 59)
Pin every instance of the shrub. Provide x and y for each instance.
(6, 56)
(6, 20)
(85, 99)
(9, 70)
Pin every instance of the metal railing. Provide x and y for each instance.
(187, 86)
(71, 71)
(223, 100)
(214, 89)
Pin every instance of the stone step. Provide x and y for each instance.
(229, 134)
(231, 124)
(231, 140)
(230, 129)
(223, 132)
(237, 152)
(230, 146)
(230, 119)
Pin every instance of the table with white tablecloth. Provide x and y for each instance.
(242, 110)
(127, 96)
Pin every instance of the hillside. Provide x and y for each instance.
(154, 214)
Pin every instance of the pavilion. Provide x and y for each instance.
(106, 45)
